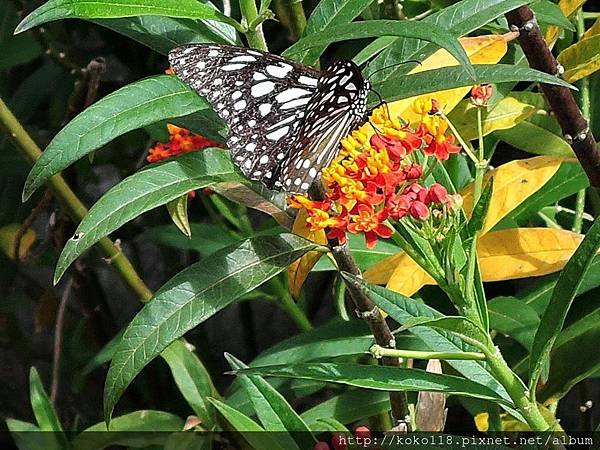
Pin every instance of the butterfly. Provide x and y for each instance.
(285, 119)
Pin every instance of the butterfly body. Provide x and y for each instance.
(285, 119)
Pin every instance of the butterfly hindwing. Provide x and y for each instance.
(261, 97)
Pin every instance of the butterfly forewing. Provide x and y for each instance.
(285, 119)
(261, 97)
(337, 107)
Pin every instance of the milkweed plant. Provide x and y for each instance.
(453, 221)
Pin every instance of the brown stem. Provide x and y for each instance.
(368, 311)
(574, 126)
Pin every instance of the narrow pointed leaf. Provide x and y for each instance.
(194, 295)
(109, 9)
(375, 28)
(402, 309)
(178, 210)
(133, 106)
(273, 410)
(144, 190)
(379, 378)
(247, 427)
(456, 76)
(564, 292)
(44, 412)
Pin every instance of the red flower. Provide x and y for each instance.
(369, 223)
(441, 146)
(362, 432)
(321, 445)
(481, 94)
(397, 206)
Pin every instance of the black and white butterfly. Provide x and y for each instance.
(285, 119)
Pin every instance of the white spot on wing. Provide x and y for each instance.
(291, 94)
(278, 134)
(251, 146)
(232, 67)
(264, 159)
(303, 79)
(238, 106)
(296, 103)
(243, 58)
(260, 89)
(264, 109)
(279, 71)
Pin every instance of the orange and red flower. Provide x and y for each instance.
(180, 141)
(375, 179)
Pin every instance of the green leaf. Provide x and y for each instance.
(327, 14)
(43, 410)
(567, 366)
(194, 295)
(459, 19)
(379, 378)
(372, 49)
(247, 427)
(206, 238)
(363, 256)
(343, 407)
(460, 326)
(569, 281)
(514, 318)
(402, 309)
(162, 34)
(550, 13)
(145, 429)
(375, 28)
(273, 410)
(334, 339)
(192, 379)
(133, 106)
(144, 190)
(29, 437)
(104, 355)
(532, 136)
(455, 76)
(178, 210)
(539, 295)
(110, 9)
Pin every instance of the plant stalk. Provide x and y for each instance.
(377, 351)
(71, 203)
(254, 34)
(297, 17)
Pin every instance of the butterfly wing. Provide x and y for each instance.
(337, 107)
(262, 97)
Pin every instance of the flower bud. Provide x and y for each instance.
(437, 194)
(362, 432)
(339, 441)
(321, 445)
(481, 94)
(419, 210)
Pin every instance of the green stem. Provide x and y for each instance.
(254, 33)
(378, 352)
(579, 210)
(297, 17)
(290, 306)
(72, 205)
(466, 147)
(516, 390)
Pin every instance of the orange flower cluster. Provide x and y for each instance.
(377, 179)
(180, 141)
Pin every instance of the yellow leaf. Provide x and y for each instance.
(514, 182)
(593, 30)
(487, 49)
(178, 210)
(509, 423)
(8, 235)
(568, 7)
(503, 255)
(503, 115)
(581, 59)
(299, 269)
